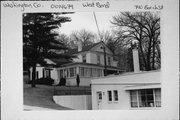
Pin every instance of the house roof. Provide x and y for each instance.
(146, 77)
(143, 86)
(84, 48)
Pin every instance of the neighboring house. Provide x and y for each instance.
(48, 71)
(137, 90)
(88, 64)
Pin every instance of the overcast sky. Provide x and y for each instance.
(86, 20)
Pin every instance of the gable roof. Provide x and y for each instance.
(84, 48)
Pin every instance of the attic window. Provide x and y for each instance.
(84, 58)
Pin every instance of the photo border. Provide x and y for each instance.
(11, 63)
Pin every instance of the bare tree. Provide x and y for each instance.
(105, 36)
(144, 28)
(86, 37)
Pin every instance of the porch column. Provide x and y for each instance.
(43, 73)
(77, 70)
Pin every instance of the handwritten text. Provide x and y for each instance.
(96, 4)
(22, 6)
(62, 6)
(149, 7)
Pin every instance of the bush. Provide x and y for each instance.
(62, 82)
(43, 81)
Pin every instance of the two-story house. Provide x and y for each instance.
(88, 64)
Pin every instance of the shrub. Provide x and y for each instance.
(62, 82)
(43, 81)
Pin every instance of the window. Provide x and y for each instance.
(84, 58)
(109, 95)
(72, 71)
(146, 98)
(99, 95)
(98, 59)
(134, 102)
(81, 71)
(109, 61)
(47, 74)
(67, 72)
(61, 73)
(157, 97)
(86, 72)
(98, 72)
(90, 72)
(115, 93)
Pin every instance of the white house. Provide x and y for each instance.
(88, 64)
(46, 71)
(127, 91)
(137, 90)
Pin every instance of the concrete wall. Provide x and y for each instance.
(77, 102)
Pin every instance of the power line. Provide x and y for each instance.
(97, 25)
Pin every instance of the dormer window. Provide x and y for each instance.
(84, 58)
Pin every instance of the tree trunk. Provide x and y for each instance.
(33, 76)
(153, 59)
(142, 54)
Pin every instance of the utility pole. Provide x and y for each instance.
(105, 65)
(103, 47)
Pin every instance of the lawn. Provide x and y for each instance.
(40, 97)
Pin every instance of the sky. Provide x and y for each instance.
(86, 20)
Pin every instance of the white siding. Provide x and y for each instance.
(54, 74)
(88, 58)
(120, 83)
(123, 97)
(93, 58)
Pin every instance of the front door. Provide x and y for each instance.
(99, 100)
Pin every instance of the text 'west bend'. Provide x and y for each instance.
(96, 4)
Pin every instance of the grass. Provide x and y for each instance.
(41, 96)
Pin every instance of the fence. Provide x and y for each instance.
(72, 90)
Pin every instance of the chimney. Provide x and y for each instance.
(136, 59)
(79, 43)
